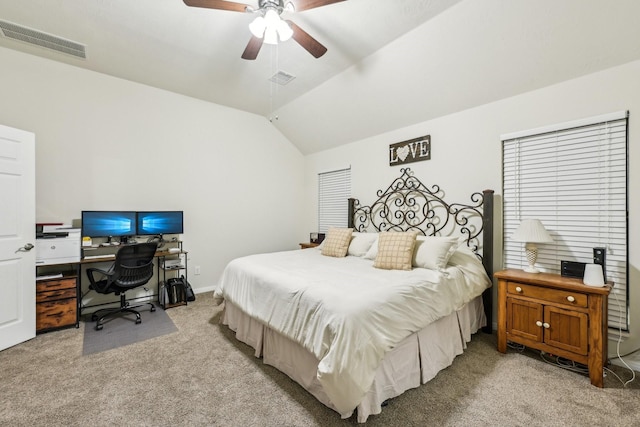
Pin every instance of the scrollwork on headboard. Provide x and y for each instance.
(407, 204)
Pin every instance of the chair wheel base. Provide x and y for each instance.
(98, 327)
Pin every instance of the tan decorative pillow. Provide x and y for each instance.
(395, 250)
(337, 241)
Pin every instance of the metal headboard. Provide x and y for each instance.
(407, 204)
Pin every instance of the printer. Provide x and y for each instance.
(57, 244)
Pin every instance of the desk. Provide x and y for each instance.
(59, 297)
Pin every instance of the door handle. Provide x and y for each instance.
(26, 248)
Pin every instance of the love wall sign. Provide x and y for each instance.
(413, 150)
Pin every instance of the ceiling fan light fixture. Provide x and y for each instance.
(258, 26)
(271, 17)
(270, 36)
(271, 27)
(284, 31)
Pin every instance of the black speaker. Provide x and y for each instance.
(599, 256)
(572, 269)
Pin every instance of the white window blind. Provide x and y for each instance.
(573, 178)
(334, 190)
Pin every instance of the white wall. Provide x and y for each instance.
(467, 154)
(105, 144)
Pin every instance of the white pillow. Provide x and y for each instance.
(372, 253)
(361, 243)
(433, 252)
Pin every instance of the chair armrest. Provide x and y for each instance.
(94, 283)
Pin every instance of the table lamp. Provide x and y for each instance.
(531, 231)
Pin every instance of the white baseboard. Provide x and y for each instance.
(205, 289)
(633, 360)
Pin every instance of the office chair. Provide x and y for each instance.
(132, 268)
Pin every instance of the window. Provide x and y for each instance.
(573, 178)
(334, 190)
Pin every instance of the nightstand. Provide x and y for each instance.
(556, 314)
(308, 245)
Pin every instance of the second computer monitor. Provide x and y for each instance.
(159, 223)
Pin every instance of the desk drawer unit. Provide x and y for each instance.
(56, 303)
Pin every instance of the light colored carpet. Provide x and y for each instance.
(122, 330)
(202, 376)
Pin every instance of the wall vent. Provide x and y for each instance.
(38, 38)
(282, 78)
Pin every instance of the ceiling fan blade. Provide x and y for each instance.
(252, 49)
(217, 4)
(301, 5)
(306, 41)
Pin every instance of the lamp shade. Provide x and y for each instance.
(532, 231)
(258, 26)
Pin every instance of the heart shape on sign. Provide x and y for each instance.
(402, 152)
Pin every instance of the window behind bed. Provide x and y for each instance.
(334, 190)
(572, 177)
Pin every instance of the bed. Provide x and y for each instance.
(353, 331)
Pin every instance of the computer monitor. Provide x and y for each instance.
(159, 223)
(108, 223)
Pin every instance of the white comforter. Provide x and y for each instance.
(345, 311)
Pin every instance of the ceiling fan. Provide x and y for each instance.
(269, 27)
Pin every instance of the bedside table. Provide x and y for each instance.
(556, 314)
(308, 245)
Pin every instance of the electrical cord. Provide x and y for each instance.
(567, 364)
(515, 346)
(633, 373)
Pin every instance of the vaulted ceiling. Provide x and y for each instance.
(389, 64)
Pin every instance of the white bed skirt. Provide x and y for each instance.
(417, 359)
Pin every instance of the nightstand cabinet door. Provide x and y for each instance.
(567, 329)
(522, 318)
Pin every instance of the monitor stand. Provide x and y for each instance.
(157, 237)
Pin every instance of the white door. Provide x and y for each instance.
(17, 237)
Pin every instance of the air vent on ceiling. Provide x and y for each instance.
(38, 38)
(282, 78)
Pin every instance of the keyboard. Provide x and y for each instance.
(98, 256)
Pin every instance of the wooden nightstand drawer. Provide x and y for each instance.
(571, 299)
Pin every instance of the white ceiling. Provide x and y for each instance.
(389, 63)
